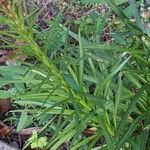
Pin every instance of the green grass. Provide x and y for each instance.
(86, 84)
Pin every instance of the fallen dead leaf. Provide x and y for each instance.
(5, 131)
(12, 56)
(28, 131)
(90, 131)
(5, 105)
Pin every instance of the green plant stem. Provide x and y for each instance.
(35, 50)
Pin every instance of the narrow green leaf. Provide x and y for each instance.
(100, 86)
(74, 75)
(145, 133)
(117, 99)
(82, 143)
(134, 124)
(81, 65)
(130, 108)
(22, 121)
(63, 139)
(135, 11)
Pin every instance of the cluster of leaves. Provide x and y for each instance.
(80, 86)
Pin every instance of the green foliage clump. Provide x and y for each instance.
(78, 81)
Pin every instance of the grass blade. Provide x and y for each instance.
(129, 132)
(129, 110)
(81, 65)
(137, 17)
